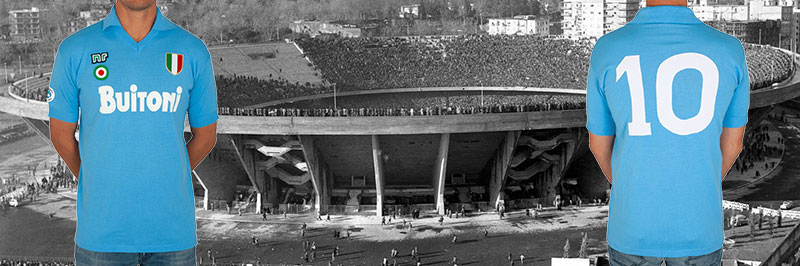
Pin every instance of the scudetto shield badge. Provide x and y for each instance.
(174, 63)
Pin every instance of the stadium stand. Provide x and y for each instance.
(34, 88)
(472, 60)
(397, 62)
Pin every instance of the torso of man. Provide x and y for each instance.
(135, 191)
(665, 85)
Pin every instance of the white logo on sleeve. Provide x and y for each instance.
(126, 101)
(51, 94)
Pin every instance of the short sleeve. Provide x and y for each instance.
(63, 93)
(736, 115)
(203, 97)
(598, 115)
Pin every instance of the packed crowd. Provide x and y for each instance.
(375, 63)
(60, 177)
(756, 150)
(470, 60)
(766, 65)
(417, 106)
(236, 90)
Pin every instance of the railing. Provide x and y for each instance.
(338, 209)
(36, 259)
(477, 206)
(222, 205)
(388, 209)
(786, 249)
(295, 208)
(388, 111)
(523, 203)
(18, 194)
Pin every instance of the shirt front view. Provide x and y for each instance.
(135, 190)
(665, 85)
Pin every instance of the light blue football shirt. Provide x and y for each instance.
(665, 84)
(134, 189)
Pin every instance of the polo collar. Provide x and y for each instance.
(666, 14)
(161, 22)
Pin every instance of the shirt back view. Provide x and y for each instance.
(665, 84)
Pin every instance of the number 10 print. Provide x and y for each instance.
(664, 80)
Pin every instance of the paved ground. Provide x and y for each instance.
(737, 178)
(229, 236)
(782, 183)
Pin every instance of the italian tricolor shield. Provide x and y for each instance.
(174, 63)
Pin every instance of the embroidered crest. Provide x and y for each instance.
(174, 63)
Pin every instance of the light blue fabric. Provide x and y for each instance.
(666, 198)
(135, 191)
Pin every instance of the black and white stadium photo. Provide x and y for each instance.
(400, 132)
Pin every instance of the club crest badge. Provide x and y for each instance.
(101, 72)
(174, 63)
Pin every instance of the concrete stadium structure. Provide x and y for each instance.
(355, 164)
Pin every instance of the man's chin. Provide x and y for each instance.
(137, 5)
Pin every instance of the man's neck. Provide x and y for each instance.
(666, 3)
(137, 23)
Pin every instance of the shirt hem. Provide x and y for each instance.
(673, 253)
(137, 248)
(736, 124)
(600, 132)
(202, 123)
(68, 119)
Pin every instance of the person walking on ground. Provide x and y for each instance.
(666, 115)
